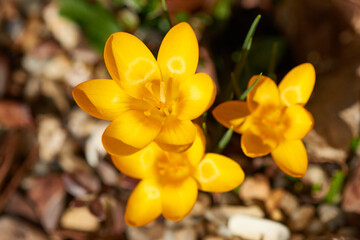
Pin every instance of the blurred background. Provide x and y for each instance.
(56, 181)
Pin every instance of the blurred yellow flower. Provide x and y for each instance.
(273, 119)
(170, 181)
(149, 100)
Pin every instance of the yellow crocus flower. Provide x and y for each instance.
(170, 181)
(149, 100)
(273, 119)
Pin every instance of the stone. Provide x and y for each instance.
(213, 238)
(351, 194)
(79, 219)
(187, 233)
(202, 203)
(56, 67)
(301, 218)
(316, 227)
(51, 137)
(315, 175)
(331, 216)
(65, 31)
(78, 73)
(80, 123)
(274, 199)
(254, 228)
(229, 211)
(94, 150)
(289, 203)
(151, 231)
(16, 229)
(256, 187)
(108, 173)
(297, 236)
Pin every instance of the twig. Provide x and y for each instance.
(8, 149)
(19, 175)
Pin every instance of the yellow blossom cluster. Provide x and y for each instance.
(151, 104)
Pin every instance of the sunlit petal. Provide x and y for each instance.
(196, 152)
(176, 135)
(265, 92)
(298, 122)
(144, 204)
(140, 164)
(217, 173)
(232, 113)
(291, 157)
(178, 198)
(130, 63)
(254, 146)
(103, 98)
(196, 95)
(178, 55)
(133, 128)
(297, 86)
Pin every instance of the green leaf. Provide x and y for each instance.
(244, 94)
(163, 3)
(243, 56)
(251, 32)
(355, 144)
(203, 123)
(222, 9)
(266, 52)
(224, 140)
(336, 186)
(97, 22)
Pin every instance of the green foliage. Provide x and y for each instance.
(336, 186)
(224, 140)
(222, 9)
(355, 144)
(244, 94)
(235, 76)
(265, 54)
(97, 22)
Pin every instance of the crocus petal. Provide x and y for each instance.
(291, 158)
(178, 55)
(178, 198)
(176, 135)
(144, 204)
(254, 146)
(232, 113)
(132, 128)
(265, 92)
(196, 94)
(131, 64)
(298, 122)
(297, 85)
(140, 164)
(217, 173)
(103, 98)
(196, 152)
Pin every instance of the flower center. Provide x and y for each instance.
(173, 167)
(269, 121)
(157, 101)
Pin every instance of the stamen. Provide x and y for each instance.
(148, 86)
(162, 91)
(148, 112)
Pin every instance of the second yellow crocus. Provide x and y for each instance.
(273, 119)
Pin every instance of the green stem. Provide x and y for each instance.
(224, 140)
(243, 96)
(164, 7)
(239, 67)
